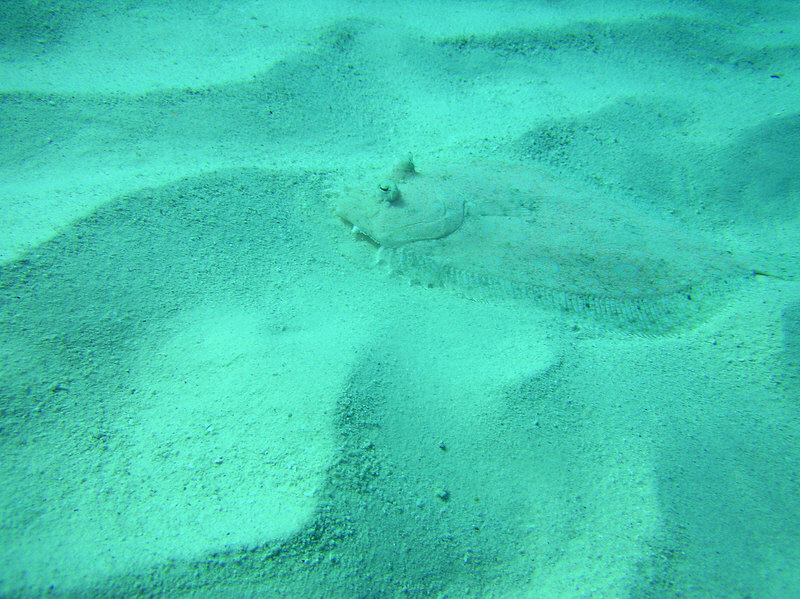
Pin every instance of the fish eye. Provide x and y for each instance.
(388, 192)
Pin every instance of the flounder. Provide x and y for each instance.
(503, 230)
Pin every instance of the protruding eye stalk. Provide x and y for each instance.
(404, 169)
(388, 192)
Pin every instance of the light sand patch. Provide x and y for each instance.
(224, 444)
(234, 426)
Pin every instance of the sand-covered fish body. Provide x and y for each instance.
(505, 230)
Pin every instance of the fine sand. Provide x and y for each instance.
(209, 386)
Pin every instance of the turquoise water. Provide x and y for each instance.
(211, 386)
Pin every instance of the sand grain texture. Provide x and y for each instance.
(575, 387)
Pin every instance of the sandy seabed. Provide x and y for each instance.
(210, 387)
